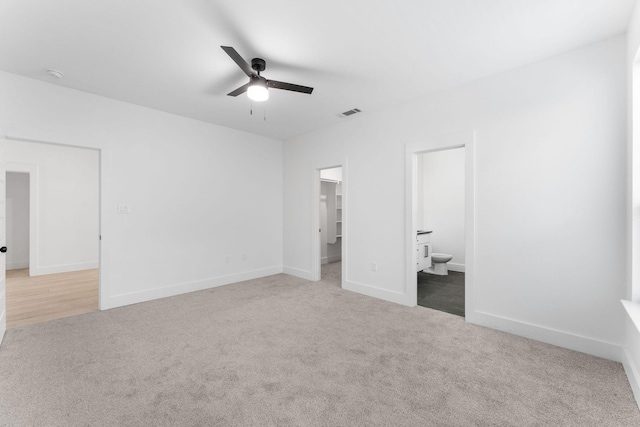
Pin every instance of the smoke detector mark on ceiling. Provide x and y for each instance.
(349, 113)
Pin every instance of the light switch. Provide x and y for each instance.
(123, 209)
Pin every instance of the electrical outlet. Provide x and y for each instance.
(374, 266)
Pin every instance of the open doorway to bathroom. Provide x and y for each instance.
(441, 230)
(331, 224)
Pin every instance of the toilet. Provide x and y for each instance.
(439, 264)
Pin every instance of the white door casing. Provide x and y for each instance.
(3, 242)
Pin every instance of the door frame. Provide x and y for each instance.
(316, 252)
(103, 224)
(464, 140)
(32, 171)
(3, 242)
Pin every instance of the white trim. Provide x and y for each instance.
(372, 291)
(183, 288)
(40, 271)
(633, 375)
(296, 272)
(464, 140)
(629, 359)
(452, 266)
(604, 349)
(33, 172)
(3, 307)
(332, 258)
(316, 241)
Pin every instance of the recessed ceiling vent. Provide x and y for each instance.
(349, 113)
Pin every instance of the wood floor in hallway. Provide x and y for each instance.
(39, 299)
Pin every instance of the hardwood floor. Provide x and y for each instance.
(53, 296)
(444, 293)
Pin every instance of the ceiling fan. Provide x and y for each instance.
(257, 88)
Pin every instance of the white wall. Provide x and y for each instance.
(205, 201)
(66, 204)
(550, 159)
(443, 174)
(17, 220)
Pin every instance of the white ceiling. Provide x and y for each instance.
(367, 54)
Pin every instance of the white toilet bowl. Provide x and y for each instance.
(439, 264)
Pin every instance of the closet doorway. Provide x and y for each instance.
(330, 225)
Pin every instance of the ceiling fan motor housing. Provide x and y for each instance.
(258, 64)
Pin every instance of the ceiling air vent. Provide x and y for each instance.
(349, 113)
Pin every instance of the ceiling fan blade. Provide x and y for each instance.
(289, 86)
(242, 89)
(244, 66)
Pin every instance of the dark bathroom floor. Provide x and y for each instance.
(444, 293)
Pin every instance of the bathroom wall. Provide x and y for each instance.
(443, 194)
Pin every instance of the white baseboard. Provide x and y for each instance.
(455, 267)
(17, 265)
(606, 350)
(296, 272)
(183, 288)
(39, 271)
(334, 258)
(633, 375)
(384, 294)
(631, 352)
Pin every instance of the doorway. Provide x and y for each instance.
(415, 214)
(53, 218)
(330, 224)
(441, 223)
(17, 215)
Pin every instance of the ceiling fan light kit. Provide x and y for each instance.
(257, 90)
(258, 87)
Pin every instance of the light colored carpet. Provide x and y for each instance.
(282, 351)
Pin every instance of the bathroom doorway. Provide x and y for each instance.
(441, 222)
(426, 207)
